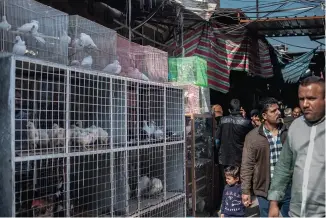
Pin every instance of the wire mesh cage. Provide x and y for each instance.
(93, 46)
(33, 29)
(65, 142)
(142, 62)
(199, 173)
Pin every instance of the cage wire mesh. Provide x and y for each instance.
(142, 62)
(93, 46)
(84, 173)
(89, 112)
(39, 26)
(40, 97)
(40, 188)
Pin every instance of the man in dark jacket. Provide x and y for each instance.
(261, 151)
(288, 119)
(230, 136)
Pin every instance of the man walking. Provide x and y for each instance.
(230, 136)
(260, 154)
(302, 160)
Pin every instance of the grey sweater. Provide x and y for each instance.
(302, 161)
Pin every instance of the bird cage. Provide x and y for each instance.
(33, 29)
(199, 170)
(146, 62)
(66, 149)
(93, 46)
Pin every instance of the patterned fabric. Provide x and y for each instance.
(275, 148)
(224, 52)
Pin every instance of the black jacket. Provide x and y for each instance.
(230, 136)
(288, 121)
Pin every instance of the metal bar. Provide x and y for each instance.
(138, 153)
(111, 147)
(164, 147)
(126, 146)
(282, 19)
(67, 143)
(76, 154)
(12, 97)
(193, 170)
(257, 9)
(292, 28)
(129, 19)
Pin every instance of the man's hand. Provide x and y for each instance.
(274, 210)
(246, 200)
(243, 112)
(222, 215)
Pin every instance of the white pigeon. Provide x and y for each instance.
(75, 63)
(103, 136)
(38, 37)
(32, 135)
(19, 46)
(159, 134)
(87, 62)
(29, 27)
(77, 44)
(114, 68)
(86, 41)
(149, 129)
(144, 184)
(4, 24)
(136, 74)
(156, 187)
(65, 39)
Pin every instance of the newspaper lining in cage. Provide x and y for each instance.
(93, 46)
(33, 29)
(142, 62)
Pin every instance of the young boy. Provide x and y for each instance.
(231, 202)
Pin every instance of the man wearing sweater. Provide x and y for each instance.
(302, 160)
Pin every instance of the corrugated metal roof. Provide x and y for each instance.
(287, 26)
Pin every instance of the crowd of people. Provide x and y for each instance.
(278, 159)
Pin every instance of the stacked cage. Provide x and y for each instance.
(199, 172)
(33, 29)
(142, 62)
(82, 143)
(93, 46)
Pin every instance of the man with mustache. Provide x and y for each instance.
(261, 151)
(302, 160)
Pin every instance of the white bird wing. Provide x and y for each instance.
(39, 39)
(28, 27)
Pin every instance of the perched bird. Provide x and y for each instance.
(136, 74)
(19, 46)
(65, 39)
(84, 139)
(144, 184)
(75, 63)
(44, 138)
(87, 62)
(4, 24)
(114, 68)
(32, 135)
(31, 27)
(86, 41)
(149, 129)
(38, 37)
(56, 135)
(103, 136)
(159, 134)
(43, 208)
(156, 187)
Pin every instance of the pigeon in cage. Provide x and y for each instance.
(114, 68)
(159, 134)
(85, 41)
(149, 129)
(4, 25)
(144, 184)
(19, 46)
(156, 187)
(38, 37)
(136, 74)
(31, 27)
(56, 135)
(65, 39)
(75, 63)
(87, 62)
(32, 135)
